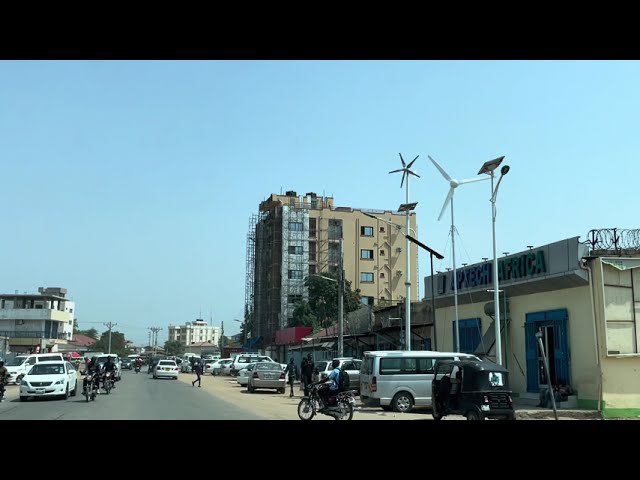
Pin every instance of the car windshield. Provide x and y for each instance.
(15, 362)
(47, 369)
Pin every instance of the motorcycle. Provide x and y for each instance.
(340, 407)
(107, 382)
(137, 368)
(90, 391)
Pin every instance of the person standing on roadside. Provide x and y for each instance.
(198, 369)
(4, 378)
(291, 370)
(307, 373)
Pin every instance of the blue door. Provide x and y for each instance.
(553, 325)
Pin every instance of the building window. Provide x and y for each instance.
(366, 254)
(2, 306)
(381, 229)
(367, 301)
(382, 253)
(295, 274)
(335, 229)
(470, 333)
(295, 249)
(312, 269)
(381, 274)
(295, 226)
(366, 277)
(334, 253)
(622, 300)
(312, 227)
(313, 248)
(366, 231)
(294, 298)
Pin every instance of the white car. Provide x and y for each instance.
(225, 369)
(49, 379)
(166, 368)
(243, 375)
(216, 367)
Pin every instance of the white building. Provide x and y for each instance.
(37, 321)
(194, 332)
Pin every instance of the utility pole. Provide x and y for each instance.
(341, 305)
(110, 325)
(155, 331)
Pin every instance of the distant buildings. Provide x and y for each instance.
(36, 322)
(194, 332)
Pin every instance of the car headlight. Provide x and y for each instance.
(59, 382)
(24, 383)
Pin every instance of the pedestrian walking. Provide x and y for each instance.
(292, 370)
(198, 369)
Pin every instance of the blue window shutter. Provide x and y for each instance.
(470, 334)
(532, 353)
(561, 346)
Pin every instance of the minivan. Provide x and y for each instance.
(20, 365)
(399, 380)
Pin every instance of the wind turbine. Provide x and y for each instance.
(453, 184)
(407, 207)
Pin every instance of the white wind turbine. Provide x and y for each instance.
(453, 183)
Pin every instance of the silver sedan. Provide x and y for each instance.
(266, 375)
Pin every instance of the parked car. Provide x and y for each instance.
(350, 364)
(216, 367)
(126, 363)
(226, 368)
(243, 375)
(245, 358)
(266, 375)
(49, 379)
(166, 368)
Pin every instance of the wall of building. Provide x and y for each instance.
(619, 299)
(583, 361)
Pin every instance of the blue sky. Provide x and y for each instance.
(132, 183)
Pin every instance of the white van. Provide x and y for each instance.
(398, 379)
(20, 365)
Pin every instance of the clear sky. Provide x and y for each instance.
(131, 183)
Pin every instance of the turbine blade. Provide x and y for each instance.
(471, 180)
(409, 166)
(401, 170)
(413, 173)
(444, 174)
(446, 203)
(402, 181)
(402, 160)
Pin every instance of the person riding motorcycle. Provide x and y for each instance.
(93, 368)
(331, 386)
(138, 363)
(110, 367)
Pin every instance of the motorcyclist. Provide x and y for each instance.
(110, 367)
(331, 385)
(93, 368)
(138, 365)
(4, 378)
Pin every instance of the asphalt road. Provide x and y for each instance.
(137, 397)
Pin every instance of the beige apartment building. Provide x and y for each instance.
(294, 236)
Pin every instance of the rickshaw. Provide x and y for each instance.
(471, 388)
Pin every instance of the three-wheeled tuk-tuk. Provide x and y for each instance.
(472, 388)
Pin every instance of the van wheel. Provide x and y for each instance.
(402, 402)
(474, 415)
(23, 399)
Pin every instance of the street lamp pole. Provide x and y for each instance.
(341, 304)
(489, 168)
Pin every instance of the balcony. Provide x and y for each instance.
(32, 334)
(34, 314)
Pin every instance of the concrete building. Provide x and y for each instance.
(584, 297)
(294, 236)
(37, 322)
(194, 332)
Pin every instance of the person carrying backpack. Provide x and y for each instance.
(344, 381)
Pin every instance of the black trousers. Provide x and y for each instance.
(196, 380)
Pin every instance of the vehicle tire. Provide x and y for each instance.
(474, 415)
(305, 410)
(511, 416)
(402, 402)
(435, 413)
(19, 379)
(66, 393)
(23, 399)
(107, 387)
(74, 392)
(281, 390)
(250, 389)
(349, 410)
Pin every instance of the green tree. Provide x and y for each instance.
(323, 300)
(118, 345)
(303, 316)
(91, 333)
(173, 347)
